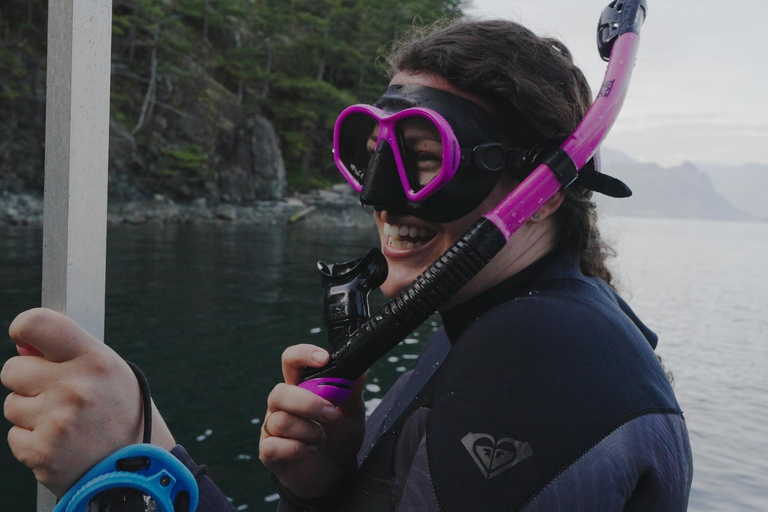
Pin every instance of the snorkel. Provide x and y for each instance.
(618, 41)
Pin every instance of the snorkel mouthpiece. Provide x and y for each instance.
(347, 286)
(345, 309)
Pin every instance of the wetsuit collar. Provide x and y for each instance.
(456, 320)
(555, 265)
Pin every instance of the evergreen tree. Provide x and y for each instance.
(179, 66)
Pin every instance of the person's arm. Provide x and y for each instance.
(643, 465)
(75, 401)
(212, 499)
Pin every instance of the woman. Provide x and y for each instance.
(549, 396)
(543, 391)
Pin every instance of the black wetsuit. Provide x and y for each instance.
(541, 394)
(550, 397)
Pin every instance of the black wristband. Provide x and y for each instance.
(146, 400)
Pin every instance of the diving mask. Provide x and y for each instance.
(420, 151)
(434, 155)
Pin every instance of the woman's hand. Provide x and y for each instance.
(72, 407)
(311, 445)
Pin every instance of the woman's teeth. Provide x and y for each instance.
(407, 237)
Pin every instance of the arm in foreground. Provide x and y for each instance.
(74, 401)
(77, 404)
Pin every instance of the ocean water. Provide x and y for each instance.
(207, 311)
(703, 287)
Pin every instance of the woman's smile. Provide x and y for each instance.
(407, 236)
(410, 245)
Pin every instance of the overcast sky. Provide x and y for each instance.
(699, 91)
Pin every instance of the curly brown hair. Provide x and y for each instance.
(538, 96)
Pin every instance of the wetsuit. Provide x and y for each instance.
(548, 397)
(540, 394)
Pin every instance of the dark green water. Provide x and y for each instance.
(206, 313)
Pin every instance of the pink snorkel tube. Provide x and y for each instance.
(618, 41)
(559, 170)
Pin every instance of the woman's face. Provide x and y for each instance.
(410, 244)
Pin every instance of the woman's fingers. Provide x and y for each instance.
(354, 406)
(302, 403)
(296, 357)
(58, 337)
(22, 411)
(288, 426)
(306, 441)
(27, 375)
(274, 452)
(24, 448)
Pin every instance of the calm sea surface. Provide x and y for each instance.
(206, 313)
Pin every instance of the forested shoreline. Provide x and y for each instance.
(228, 100)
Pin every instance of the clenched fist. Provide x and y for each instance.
(74, 401)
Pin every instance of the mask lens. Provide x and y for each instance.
(357, 142)
(421, 149)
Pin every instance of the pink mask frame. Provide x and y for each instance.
(451, 153)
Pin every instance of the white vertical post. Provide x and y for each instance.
(76, 151)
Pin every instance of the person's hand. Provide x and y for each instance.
(73, 406)
(311, 446)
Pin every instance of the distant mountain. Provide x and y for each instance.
(745, 186)
(683, 191)
(610, 156)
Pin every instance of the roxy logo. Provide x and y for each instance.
(494, 457)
